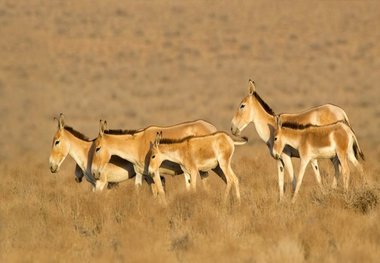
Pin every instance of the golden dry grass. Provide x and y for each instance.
(53, 218)
(138, 63)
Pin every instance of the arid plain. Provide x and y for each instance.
(137, 63)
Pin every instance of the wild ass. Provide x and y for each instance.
(68, 141)
(197, 153)
(335, 141)
(133, 145)
(253, 109)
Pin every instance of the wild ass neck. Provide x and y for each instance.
(125, 146)
(79, 150)
(292, 137)
(262, 120)
(171, 152)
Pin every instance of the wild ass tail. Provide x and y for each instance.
(355, 146)
(345, 120)
(357, 149)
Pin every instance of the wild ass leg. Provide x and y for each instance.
(193, 180)
(289, 167)
(160, 189)
(299, 178)
(345, 170)
(154, 189)
(235, 181)
(149, 180)
(220, 172)
(225, 169)
(204, 179)
(138, 179)
(187, 181)
(336, 164)
(280, 170)
(358, 166)
(187, 177)
(314, 165)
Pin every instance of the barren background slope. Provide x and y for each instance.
(137, 63)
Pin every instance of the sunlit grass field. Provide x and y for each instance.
(141, 63)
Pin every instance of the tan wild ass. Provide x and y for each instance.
(253, 109)
(197, 153)
(133, 145)
(68, 141)
(334, 141)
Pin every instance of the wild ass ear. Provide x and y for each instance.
(158, 138)
(61, 121)
(55, 119)
(251, 87)
(102, 127)
(278, 121)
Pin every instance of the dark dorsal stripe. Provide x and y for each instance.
(120, 132)
(173, 141)
(77, 134)
(297, 126)
(263, 104)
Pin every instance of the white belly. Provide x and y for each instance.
(206, 165)
(116, 174)
(324, 152)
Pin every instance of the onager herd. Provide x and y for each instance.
(194, 148)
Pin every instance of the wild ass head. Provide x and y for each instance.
(101, 155)
(60, 146)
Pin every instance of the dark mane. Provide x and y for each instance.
(120, 132)
(297, 126)
(173, 141)
(263, 104)
(77, 134)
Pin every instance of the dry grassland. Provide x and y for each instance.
(137, 63)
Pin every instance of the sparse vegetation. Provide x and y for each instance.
(52, 217)
(138, 63)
